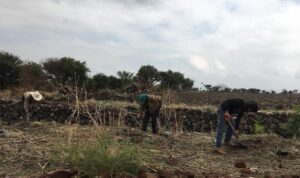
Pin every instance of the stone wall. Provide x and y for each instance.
(172, 119)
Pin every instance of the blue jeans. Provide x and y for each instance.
(220, 128)
(147, 116)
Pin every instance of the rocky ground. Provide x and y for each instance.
(27, 151)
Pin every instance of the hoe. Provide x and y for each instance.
(239, 144)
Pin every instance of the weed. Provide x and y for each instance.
(103, 154)
(258, 126)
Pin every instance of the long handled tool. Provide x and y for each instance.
(239, 144)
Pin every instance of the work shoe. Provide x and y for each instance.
(220, 151)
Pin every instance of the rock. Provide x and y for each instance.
(171, 161)
(268, 176)
(282, 153)
(184, 174)
(68, 173)
(3, 176)
(246, 171)
(124, 175)
(143, 174)
(187, 119)
(35, 124)
(240, 164)
(165, 174)
(105, 174)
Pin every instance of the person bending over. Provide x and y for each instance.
(227, 109)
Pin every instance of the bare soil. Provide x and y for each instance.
(29, 150)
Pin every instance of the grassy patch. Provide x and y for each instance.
(296, 108)
(102, 154)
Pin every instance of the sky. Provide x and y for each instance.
(237, 43)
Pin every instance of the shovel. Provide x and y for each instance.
(239, 144)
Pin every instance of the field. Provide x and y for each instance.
(32, 150)
(47, 144)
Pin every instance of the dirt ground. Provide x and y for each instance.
(28, 150)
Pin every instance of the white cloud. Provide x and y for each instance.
(220, 66)
(200, 64)
(242, 43)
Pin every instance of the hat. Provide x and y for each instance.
(36, 95)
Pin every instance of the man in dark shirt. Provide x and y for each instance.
(228, 108)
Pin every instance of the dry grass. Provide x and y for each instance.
(29, 150)
(108, 104)
(6, 94)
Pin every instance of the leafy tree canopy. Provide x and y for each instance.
(66, 70)
(9, 69)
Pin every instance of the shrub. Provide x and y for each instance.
(258, 127)
(292, 127)
(102, 155)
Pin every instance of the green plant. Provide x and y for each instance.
(296, 108)
(293, 126)
(104, 154)
(258, 127)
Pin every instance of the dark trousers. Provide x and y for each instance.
(153, 116)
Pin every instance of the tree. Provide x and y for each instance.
(66, 70)
(216, 88)
(284, 91)
(114, 82)
(9, 69)
(187, 84)
(227, 89)
(253, 90)
(170, 79)
(208, 87)
(125, 77)
(32, 76)
(100, 81)
(175, 80)
(148, 75)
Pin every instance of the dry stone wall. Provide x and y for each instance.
(171, 119)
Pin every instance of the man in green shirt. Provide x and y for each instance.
(149, 107)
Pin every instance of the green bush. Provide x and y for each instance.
(104, 154)
(292, 127)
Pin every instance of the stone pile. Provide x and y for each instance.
(172, 119)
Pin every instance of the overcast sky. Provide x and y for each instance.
(239, 43)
